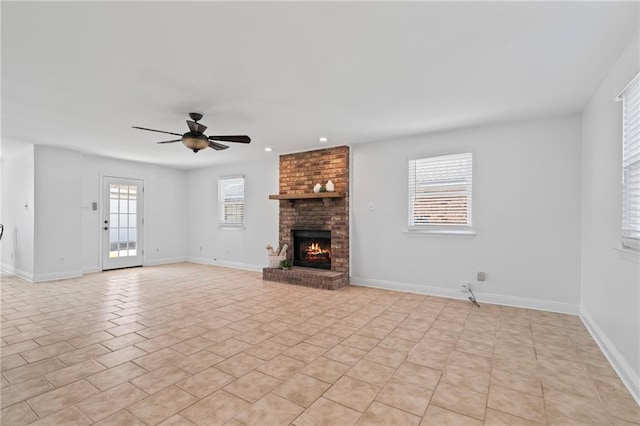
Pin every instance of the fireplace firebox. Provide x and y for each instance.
(312, 249)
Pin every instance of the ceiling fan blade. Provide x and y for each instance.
(159, 131)
(176, 140)
(233, 138)
(196, 128)
(217, 146)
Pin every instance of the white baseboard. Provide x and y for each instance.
(17, 272)
(498, 299)
(90, 269)
(524, 302)
(226, 264)
(38, 278)
(147, 262)
(52, 276)
(630, 379)
(164, 261)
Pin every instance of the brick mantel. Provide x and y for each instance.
(299, 173)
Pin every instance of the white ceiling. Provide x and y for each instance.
(80, 74)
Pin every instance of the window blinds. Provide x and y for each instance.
(440, 191)
(631, 164)
(231, 200)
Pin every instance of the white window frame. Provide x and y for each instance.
(630, 226)
(464, 180)
(224, 200)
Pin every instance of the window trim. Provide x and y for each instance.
(441, 230)
(222, 224)
(445, 233)
(627, 242)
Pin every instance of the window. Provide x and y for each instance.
(231, 201)
(630, 98)
(440, 193)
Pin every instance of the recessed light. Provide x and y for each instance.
(268, 149)
(323, 139)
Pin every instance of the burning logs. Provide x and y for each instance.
(315, 253)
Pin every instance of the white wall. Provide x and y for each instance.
(165, 209)
(526, 213)
(610, 276)
(237, 248)
(17, 187)
(57, 252)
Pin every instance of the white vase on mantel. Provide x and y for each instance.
(330, 187)
(316, 188)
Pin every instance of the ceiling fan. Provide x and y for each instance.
(195, 139)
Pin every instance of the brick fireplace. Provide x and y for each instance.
(303, 210)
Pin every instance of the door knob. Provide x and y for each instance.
(106, 228)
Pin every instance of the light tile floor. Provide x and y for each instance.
(191, 344)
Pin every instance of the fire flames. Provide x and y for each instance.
(314, 251)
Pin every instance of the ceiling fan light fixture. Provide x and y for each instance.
(195, 142)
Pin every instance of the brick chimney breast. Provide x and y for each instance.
(299, 173)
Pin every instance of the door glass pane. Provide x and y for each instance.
(113, 243)
(132, 236)
(123, 221)
(113, 220)
(132, 206)
(123, 206)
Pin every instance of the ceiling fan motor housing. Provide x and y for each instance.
(195, 116)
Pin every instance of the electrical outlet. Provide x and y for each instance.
(464, 287)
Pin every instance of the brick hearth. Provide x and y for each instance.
(298, 174)
(308, 277)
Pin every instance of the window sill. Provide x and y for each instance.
(629, 254)
(231, 227)
(445, 233)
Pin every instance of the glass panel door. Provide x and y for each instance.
(122, 223)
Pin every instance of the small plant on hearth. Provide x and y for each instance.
(286, 264)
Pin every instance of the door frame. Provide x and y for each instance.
(104, 215)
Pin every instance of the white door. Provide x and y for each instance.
(122, 223)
